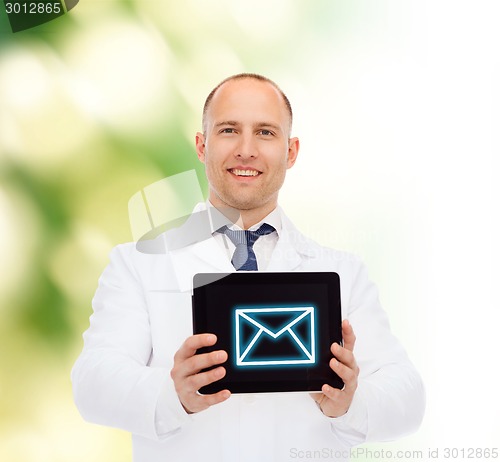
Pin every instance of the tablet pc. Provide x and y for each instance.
(277, 328)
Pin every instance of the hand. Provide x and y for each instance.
(187, 377)
(332, 401)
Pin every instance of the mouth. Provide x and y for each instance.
(249, 172)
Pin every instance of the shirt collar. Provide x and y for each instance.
(217, 220)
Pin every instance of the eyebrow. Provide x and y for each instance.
(268, 125)
(231, 123)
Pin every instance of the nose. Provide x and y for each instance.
(247, 147)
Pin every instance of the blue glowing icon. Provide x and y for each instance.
(274, 336)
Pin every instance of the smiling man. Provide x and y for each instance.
(246, 146)
(139, 370)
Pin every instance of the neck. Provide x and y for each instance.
(248, 218)
(244, 218)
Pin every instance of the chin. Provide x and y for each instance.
(250, 204)
(242, 204)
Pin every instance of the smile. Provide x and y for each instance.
(248, 172)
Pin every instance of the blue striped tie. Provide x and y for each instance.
(244, 257)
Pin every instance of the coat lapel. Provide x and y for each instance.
(292, 249)
(193, 249)
(202, 257)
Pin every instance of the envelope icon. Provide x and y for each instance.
(275, 336)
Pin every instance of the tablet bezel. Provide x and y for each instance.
(201, 311)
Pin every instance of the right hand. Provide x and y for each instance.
(187, 376)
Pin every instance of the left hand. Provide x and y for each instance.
(332, 401)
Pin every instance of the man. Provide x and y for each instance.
(138, 370)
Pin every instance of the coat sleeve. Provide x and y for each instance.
(113, 383)
(390, 400)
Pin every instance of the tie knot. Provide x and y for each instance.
(244, 257)
(246, 237)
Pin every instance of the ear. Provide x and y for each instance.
(293, 151)
(200, 146)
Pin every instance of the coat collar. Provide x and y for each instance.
(192, 248)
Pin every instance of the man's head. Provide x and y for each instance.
(257, 77)
(246, 145)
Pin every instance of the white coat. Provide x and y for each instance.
(142, 314)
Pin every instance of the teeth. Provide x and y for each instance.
(245, 172)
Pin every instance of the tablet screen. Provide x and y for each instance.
(277, 328)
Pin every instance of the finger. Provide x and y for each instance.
(316, 396)
(344, 355)
(198, 403)
(348, 335)
(195, 382)
(193, 343)
(349, 376)
(336, 401)
(332, 393)
(216, 398)
(196, 363)
(204, 361)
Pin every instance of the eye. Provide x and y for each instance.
(227, 130)
(265, 132)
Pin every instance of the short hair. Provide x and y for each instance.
(242, 76)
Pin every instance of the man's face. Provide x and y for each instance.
(246, 147)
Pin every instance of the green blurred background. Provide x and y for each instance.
(391, 98)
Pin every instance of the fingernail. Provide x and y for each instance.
(327, 389)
